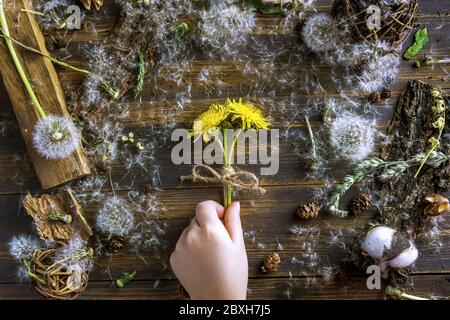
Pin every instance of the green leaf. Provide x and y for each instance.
(262, 7)
(421, 40)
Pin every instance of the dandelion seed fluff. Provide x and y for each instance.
(224, 26)
(378, 73)
(55, 137)
(115, 218)
(352, 137)
(73, 255)
(319, 33)
(23, 247)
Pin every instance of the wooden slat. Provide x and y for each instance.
(268, 217)
(428, 286)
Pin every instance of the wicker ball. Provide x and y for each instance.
(360, 203)
(58, 282)
(271, 263)
(308, 210)
(397, 20)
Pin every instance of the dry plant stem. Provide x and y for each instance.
(432, 62)
(313, 144)
(12, 50)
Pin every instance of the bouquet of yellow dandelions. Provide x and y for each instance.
(235, 116)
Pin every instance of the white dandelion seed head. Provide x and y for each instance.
(224, 26)
(55, 137)
(115, 218)
(351, 136)
(319, 33)
(23, 247)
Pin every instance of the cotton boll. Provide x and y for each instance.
(389, 247)
(377, 240)
(406, 258)
(115, 218)
(351, 136)
(319, 33)
(55, 137)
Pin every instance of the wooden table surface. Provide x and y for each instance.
(266, 219)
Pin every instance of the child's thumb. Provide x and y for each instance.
(233, 222)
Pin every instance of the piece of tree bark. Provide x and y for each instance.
(42, 74)
(403, 199)
(63, 202)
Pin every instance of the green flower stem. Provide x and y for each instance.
(30, 273)
(228, 157)
(227, 188)
(19, 67)
(103, 84)
(125, 279)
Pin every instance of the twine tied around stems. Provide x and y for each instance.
(239, 180)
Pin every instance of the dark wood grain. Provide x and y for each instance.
(426, 286)
(267, 218)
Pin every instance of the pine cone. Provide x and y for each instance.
(308, 210)
(271, 263)
(386, 93)
(374, 97)
(116, 244)
(360, 203)
(87, 4)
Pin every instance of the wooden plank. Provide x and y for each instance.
(265, 219)
(354, 288)
(51, 173)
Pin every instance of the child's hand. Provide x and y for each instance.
(210, 259)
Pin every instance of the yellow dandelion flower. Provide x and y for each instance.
(249, 116)
(208, 123)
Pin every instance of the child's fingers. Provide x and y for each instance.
(233, 222)
(209, 212)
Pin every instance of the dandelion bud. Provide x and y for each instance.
(439, 123)
(435, 93)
